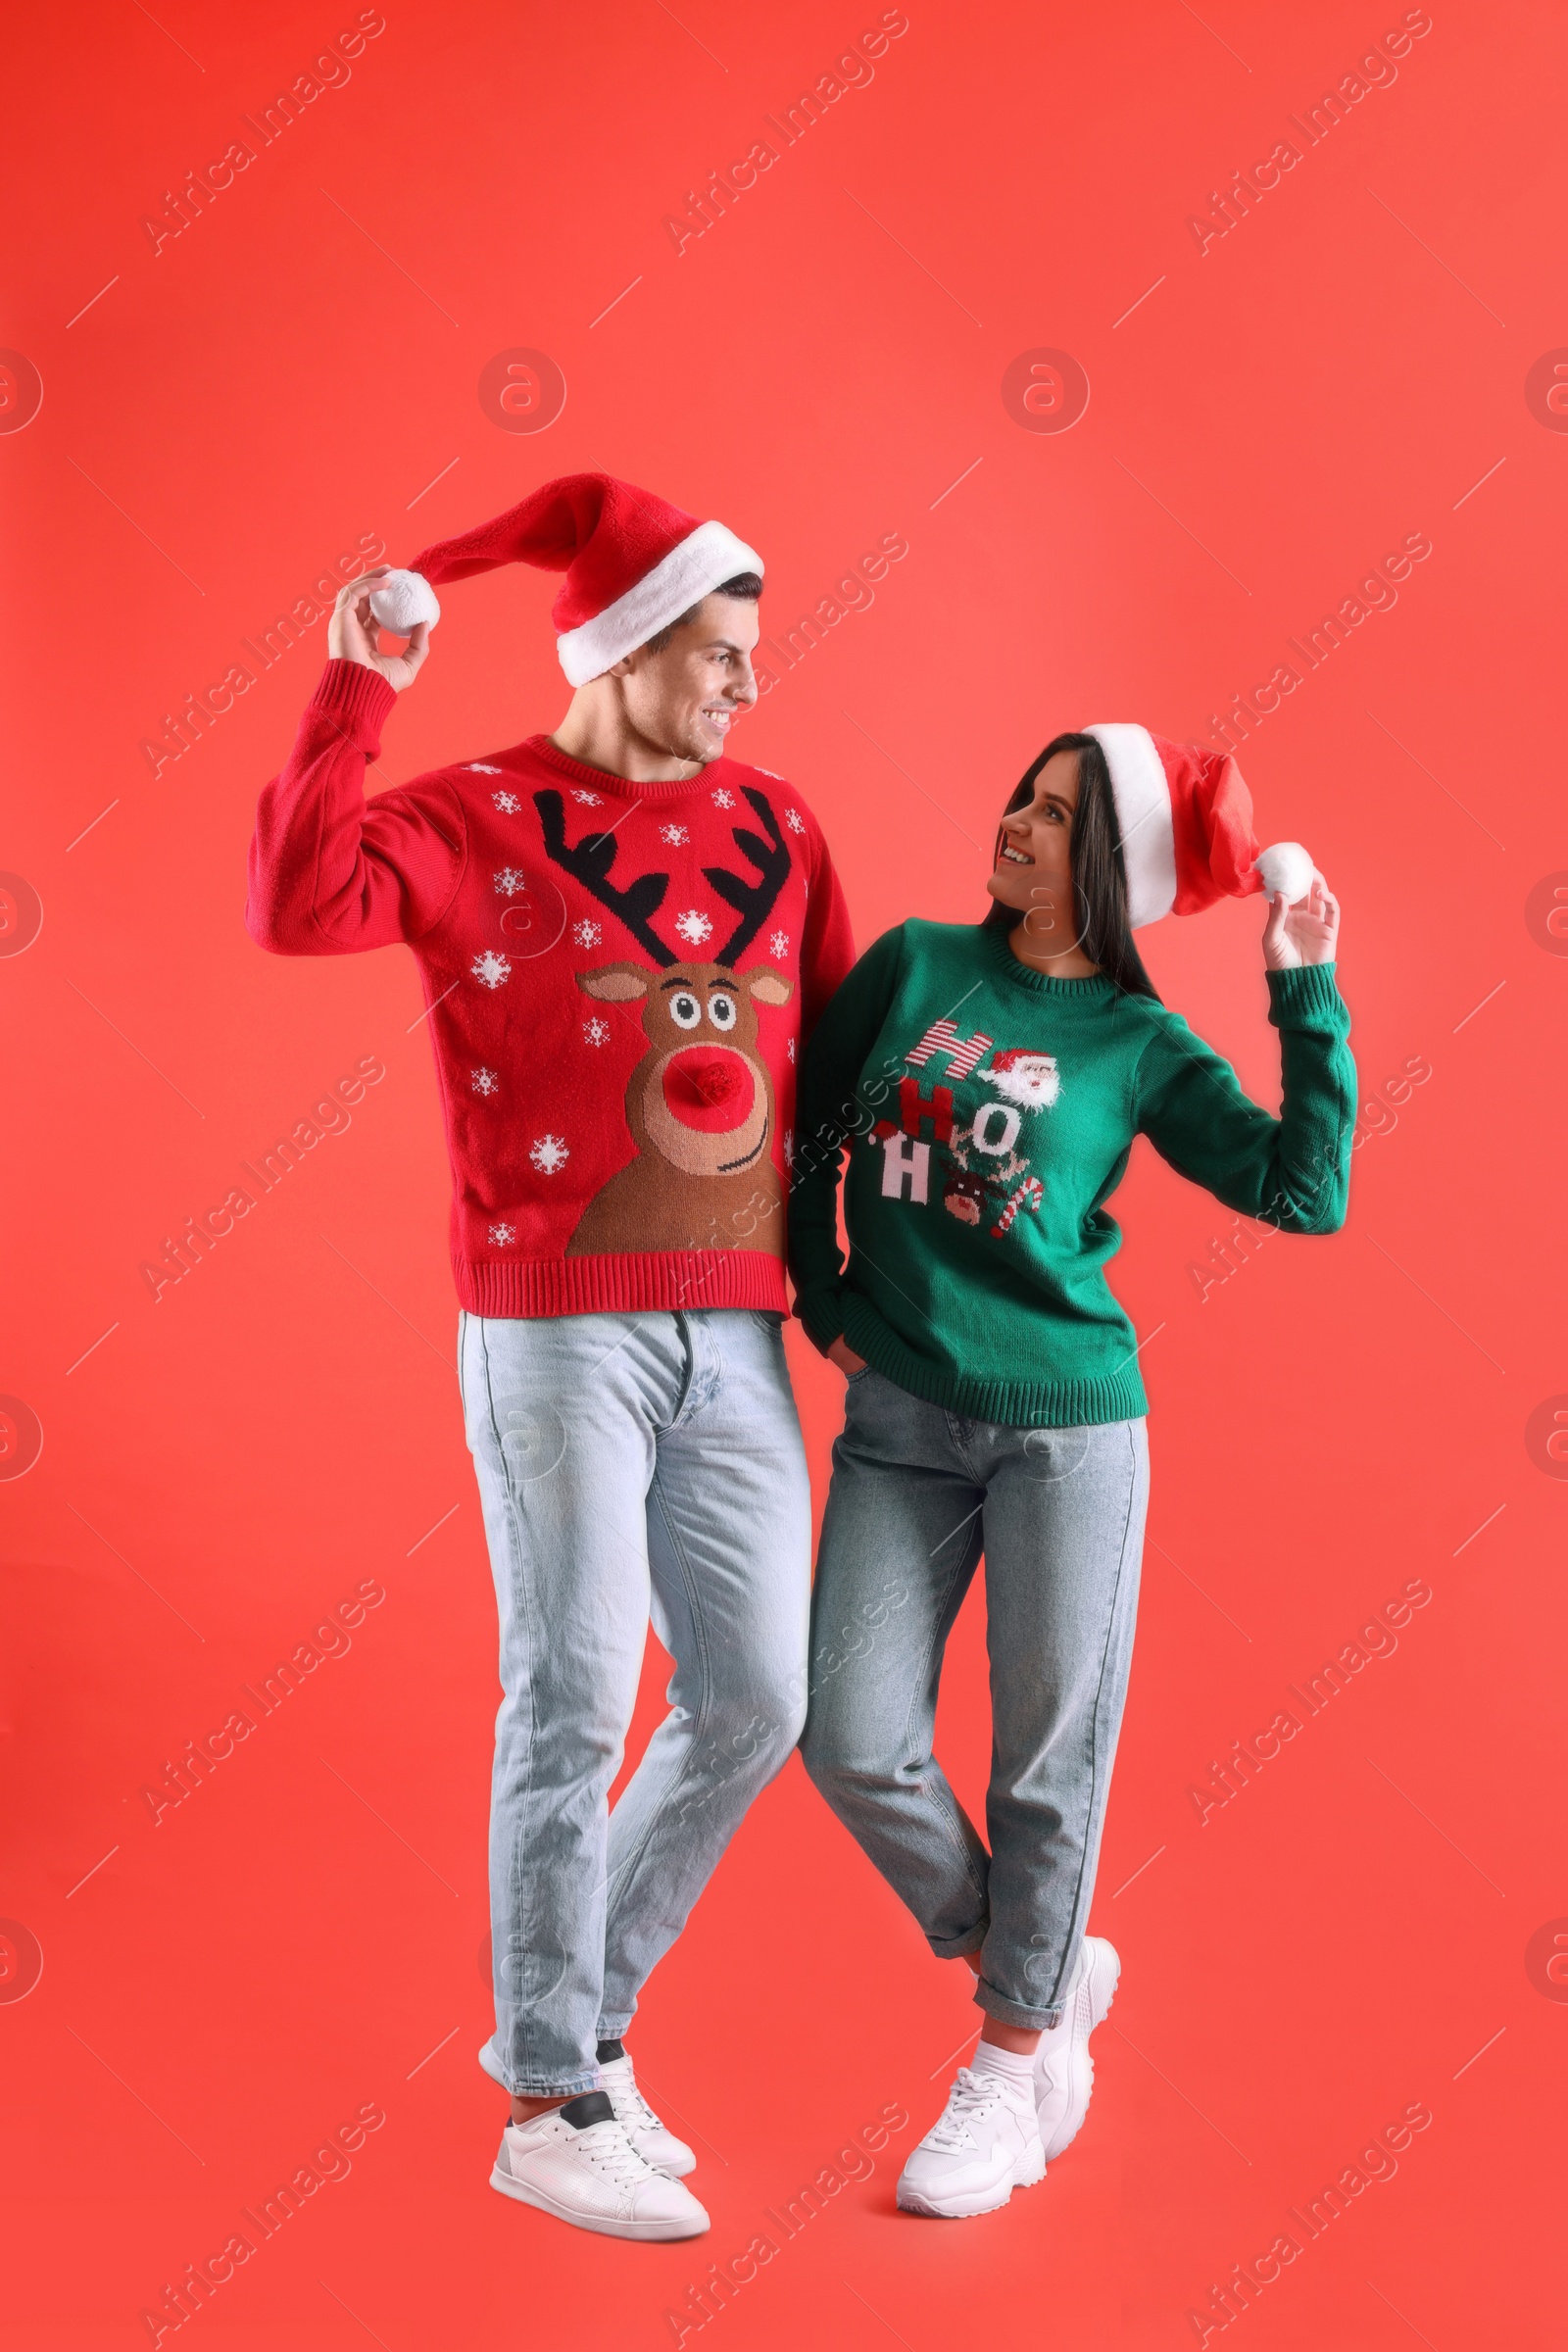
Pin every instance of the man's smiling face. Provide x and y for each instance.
(685, 691)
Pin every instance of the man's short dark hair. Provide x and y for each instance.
(746, 585)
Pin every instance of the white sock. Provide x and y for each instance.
(989, 2058)
(1069, 1991)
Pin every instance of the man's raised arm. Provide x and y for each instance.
(330, 872)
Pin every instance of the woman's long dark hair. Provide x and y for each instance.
(1099, 880)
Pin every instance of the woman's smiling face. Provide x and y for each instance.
(1034, 864)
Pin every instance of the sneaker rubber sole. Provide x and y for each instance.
(648, 2232)
(1029, 2168)
(1101, 1978)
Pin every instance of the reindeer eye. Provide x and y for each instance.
(721, 1011)
(684, 1010)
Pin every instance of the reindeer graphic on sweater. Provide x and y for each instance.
(700, 1107)
(699, 1103)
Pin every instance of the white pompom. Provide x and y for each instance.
(402, 601)
(1286, 866)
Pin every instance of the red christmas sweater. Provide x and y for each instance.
(618, 978)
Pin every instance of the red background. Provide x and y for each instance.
(1339, 370)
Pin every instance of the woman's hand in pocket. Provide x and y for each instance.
(844, 1355)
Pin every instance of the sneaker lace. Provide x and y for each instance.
(606, 2146)
(971, 2097)
(630, 2096)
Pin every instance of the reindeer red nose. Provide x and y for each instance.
(709, 1087)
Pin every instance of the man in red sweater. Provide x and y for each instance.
(623, 935)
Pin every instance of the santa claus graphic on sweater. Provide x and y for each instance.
(1031, 1080)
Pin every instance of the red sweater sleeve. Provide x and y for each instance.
(332, 873)
(827, 951)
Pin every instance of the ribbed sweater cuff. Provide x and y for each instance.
(822, 1314)
(1306, 997)
(356, 700)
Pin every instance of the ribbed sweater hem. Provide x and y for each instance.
(627, 1284)
(1116, 1396)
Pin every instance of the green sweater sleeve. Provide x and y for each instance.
(1293, 1171)
(832, 1107)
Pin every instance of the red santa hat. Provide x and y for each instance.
(1185, 822)
(633, 563)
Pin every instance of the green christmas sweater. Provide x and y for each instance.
(988, 1113)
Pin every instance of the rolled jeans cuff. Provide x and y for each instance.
(958, 1947)
(572, 2088)
(1015, 2013)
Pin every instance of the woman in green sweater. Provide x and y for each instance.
(989, 1080)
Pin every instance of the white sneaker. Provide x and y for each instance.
(591, 2175)
(1064, 2071)
(986, 2144)
(649, 2135)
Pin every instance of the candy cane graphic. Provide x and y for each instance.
(1027, 1194)
(961, 1054)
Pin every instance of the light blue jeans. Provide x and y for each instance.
(918, 1494)
(629, 1465)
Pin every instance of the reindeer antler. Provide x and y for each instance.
(753, 902)
(590, 863)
